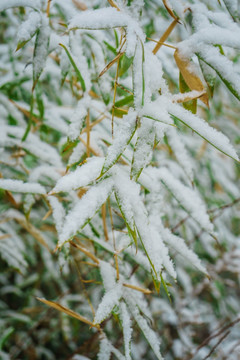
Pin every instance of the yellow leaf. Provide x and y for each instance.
(191, 79)
(169, 10)
(79, 5)
(67, 311)
(165, 36)
(110, 64)
(33, 231)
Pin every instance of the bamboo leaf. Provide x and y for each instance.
(169, 9)
(165, 288)
(67, 311)
(229, 78)
(211, 135)
(40, 50)
(78, 73)
(124, 135)
(190, 105)
(191, 79)
(125, 64)
(209, 75)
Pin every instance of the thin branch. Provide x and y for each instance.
(219, 342)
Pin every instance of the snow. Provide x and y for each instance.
(123, 135)
(143, 148)
(20, 186)
(145, 171)
(179, 245)
(82, 176)
(157, 110)
(105, 18)
(85, 209)
(138, 75)
(187, 197)
(41, 48)
(127, 330)
(201, 127)
(149, 334)
(177, 145)
(109, 300)
(29, 27)
(105, 349)
(58, 212)
(108, 274)
(12, 135)
(6, 4)
(78, 117)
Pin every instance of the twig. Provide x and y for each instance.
(209, 338)
(219, 342)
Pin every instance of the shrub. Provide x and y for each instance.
(119, 196)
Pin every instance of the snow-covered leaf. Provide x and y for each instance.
(179, 245)
(124, 134)
(109, 300)
(188, 198)
(84, 210)
(20, 186)
(211, 135)
(40, 50)
(127, 330)
(82, 176)
(6, 4)
(143, 148)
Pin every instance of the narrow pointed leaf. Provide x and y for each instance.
(78, 73)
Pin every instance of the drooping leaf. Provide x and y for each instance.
(138, 75)
(84, 210)
(123, 137)
(127, 330)
(209, 76)
(109, 300)
(223, 67)
(188, 105)
(67, 311)
(40, 50)
(208, 133)
(233, 8)
(143, 148)
(189, 75)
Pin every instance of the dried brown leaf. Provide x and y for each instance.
(165, 36)
(191, 79)
(169, 10)
(67, 311)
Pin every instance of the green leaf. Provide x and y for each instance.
(29, 120)
(39, 101)
(21, 44)
(78, 73)
(125, 63)
(4, 336)
(149, 259)
(40, 52)
(126, 100)
(165, 288)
